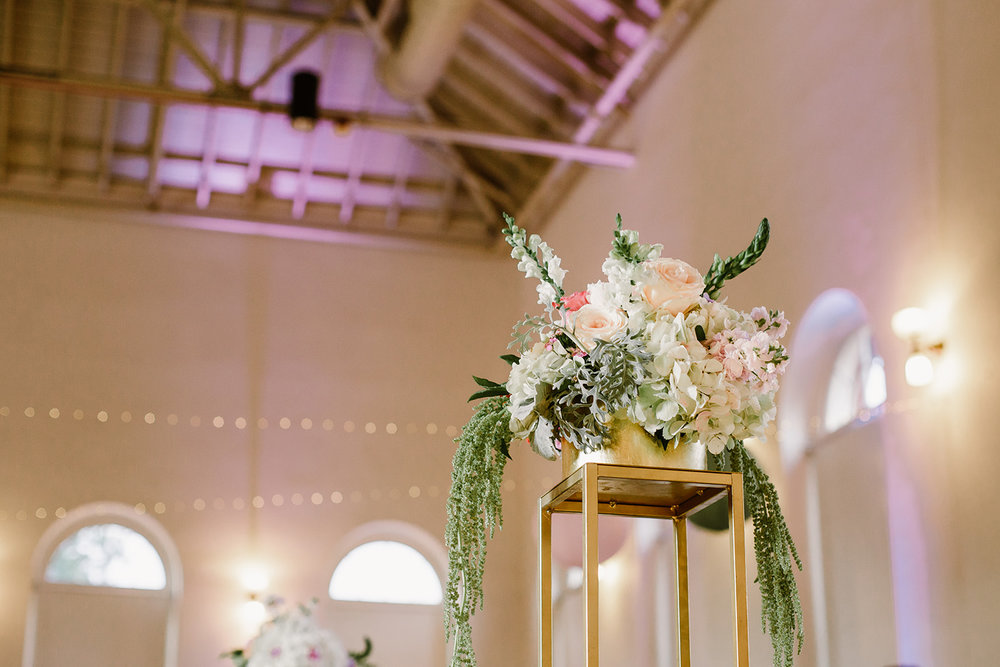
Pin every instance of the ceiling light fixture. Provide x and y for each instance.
(302, 109)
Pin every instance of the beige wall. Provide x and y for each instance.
(866, 132)
(103, 315)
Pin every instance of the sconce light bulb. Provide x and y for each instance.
(910, 323)
(253, 613)
(919, 370)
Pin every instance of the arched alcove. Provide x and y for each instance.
(106, 589)
(405, 625)
(832, 447)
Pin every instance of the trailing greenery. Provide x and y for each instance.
(723, 270)
(474, 512)
(775, 552)
(361, 657)
(607, 382)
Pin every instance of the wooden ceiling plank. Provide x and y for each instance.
(570, 15)
(548, 113)
(534, 66)
(561, 52)
(109, 115)
(57, 119)
(629, 10)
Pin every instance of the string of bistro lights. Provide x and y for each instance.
(414, 493)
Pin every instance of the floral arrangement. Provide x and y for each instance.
(651, 344)
(292, 638)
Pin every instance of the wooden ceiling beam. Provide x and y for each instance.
(588, 72)
(548, 111)
(57, 119)
(431, 130)
(6, 52)
(168, 21)
(109, 114)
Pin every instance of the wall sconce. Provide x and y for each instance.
(254, 579)
(913, 325)
(303, 110)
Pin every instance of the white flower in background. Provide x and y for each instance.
(294, 639)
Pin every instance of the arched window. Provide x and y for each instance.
(386, 584)
(857, 381)
(107, 554)
(386, 571)
(107, 586)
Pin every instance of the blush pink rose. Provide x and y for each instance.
(593, 322)
(674, 286)
(575, 301)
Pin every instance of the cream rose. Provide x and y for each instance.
(673, 286)
(592, 322)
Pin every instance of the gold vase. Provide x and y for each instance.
(630, 444)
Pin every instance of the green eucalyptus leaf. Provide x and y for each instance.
(499, 390)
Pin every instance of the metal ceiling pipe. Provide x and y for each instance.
(414, 67)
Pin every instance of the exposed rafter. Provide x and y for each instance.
(182, 105)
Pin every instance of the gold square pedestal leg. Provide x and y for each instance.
(637, 491)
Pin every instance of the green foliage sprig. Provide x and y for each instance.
(474, 512)
(775, 552)
(723, 270)
(626, 246)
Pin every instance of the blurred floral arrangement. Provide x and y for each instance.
(652, 345)
(292, 638)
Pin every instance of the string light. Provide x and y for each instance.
(317, 498)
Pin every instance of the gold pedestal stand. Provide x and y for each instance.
(665, 493)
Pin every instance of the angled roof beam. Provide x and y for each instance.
(301, 44)
(239, 37)
(174, 27)
(553, 184)
(164, 73)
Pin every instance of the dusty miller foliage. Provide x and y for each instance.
(775, 552)
(474, 512)
(607, 382)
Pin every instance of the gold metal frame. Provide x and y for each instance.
(666, 493)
